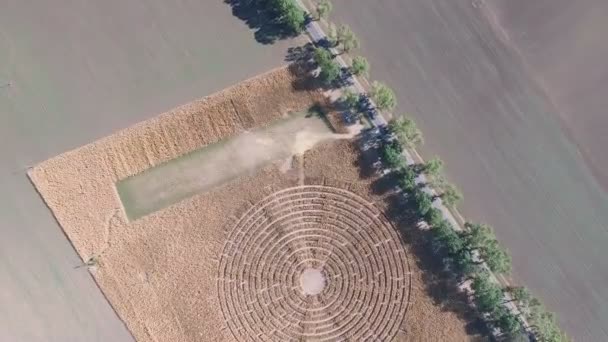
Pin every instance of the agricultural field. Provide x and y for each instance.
(510, 94)
(563, 43)
(70, 73)
(299, 247)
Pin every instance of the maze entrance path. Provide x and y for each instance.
(314, 263)
(210, 166)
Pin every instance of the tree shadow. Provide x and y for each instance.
(304, 80)
(385, 184)
(261, 20)
(368, 159)
(345, 79)
(325, 43)
(320, 111)
(439, 283)
(303, 59)
(300, 54)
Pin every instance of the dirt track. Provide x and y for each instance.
(502, 141)
(79, 71)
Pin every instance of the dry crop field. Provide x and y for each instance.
(277, 252)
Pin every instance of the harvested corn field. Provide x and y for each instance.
(279, 253)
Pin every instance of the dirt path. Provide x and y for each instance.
(502, 142)
(221, 162)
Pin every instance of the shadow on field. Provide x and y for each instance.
(303, 58)
(439, 283)
(260, 19)
(305, 79)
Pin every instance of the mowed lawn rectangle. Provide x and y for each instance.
(220, 162)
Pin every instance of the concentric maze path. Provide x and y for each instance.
(314, 263)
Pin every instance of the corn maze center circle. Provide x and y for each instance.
(312, 281)
(313, 263)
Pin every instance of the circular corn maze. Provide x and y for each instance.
(313, 263)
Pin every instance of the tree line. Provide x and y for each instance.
(464, 252)
(285, 13)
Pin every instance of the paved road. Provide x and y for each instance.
(502, 143)
(79, 71)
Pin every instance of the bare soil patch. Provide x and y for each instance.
(188, 272)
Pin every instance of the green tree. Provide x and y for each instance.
(438, 182)
(360, 66)
(477, 235)
(330, 70)
(433, 217)
(450, 196)
(347, 38)
(544, 325)
(497, 259)
(289, 14)
(447, 242)
(322, 56)
(323, 9)
(295, 18)
(446, 239)
(332, 35)
(351, 43)
(433, 167)
(342, 32)
(506, 321)
(391, 155)
(383, 96)
(407, 179)
(488, 295)
(424, 202)
(406, 131)
(534, 306)
(521, 297)
(464, 265)
(350, 98)
(481, 238)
